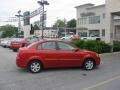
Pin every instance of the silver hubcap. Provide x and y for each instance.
(89, 65)
(35, 67)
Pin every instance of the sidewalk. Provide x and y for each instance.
(107, 54)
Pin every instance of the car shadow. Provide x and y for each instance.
(63, 69)
(25, 71)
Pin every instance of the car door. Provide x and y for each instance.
(69, 57)
(48, 52)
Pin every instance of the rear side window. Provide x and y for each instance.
(47, 46)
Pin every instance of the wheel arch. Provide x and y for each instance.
(35, 59)
(88, 57)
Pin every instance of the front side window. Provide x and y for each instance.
(65, 46)
(47, 46)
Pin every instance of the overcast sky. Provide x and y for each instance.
(58, 9)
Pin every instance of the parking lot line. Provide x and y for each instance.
(101, 83)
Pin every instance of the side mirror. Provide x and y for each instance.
(76, 49)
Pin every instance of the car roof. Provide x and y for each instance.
(46, 40)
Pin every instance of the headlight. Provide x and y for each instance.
(97, 55)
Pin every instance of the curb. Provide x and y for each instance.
(107, 54)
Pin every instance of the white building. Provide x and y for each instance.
(112, 24)
(49, 33)
(101, 21)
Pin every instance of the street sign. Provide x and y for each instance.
(26, 16)
(36, 12)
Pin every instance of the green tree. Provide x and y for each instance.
(71, 23)
(8, 30)
(35, 27)
(59, 23)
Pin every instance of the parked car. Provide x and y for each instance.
(55, 54)
(67, 38)
(75, 37)
(9, 42)
(4, 42)
(17, 43)
(90, 38)
(22, 42)
(70, 37)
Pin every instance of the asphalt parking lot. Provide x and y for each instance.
(105, 77)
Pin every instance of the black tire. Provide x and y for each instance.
(89, 64)
(4, 46)
(15, 50)
(35, 66)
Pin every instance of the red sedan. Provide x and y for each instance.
(21, 42)
(55, 54)
(16, 44)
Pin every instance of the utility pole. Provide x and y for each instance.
(19, 22)
(57, 29)
(65, 27)
(113, 36)
(42, 3)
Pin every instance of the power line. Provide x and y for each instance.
(10, 19)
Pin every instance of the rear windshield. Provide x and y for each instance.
(31, 45)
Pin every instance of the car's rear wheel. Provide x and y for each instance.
(35, 66)
(89, 64)
(15, 50)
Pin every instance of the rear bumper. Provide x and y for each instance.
(21, 63)
(15, 46)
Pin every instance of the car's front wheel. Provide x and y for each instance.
(35, 67)
(89, 64)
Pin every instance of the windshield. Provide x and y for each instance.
(31, 44)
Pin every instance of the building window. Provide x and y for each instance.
(83, 21)
(94, 33)
(82, 34)
(103, 33)
(94, 19)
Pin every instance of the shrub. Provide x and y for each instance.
(116, 46)
(93, 45)
(79, 43)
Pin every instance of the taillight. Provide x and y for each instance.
(20, 52)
